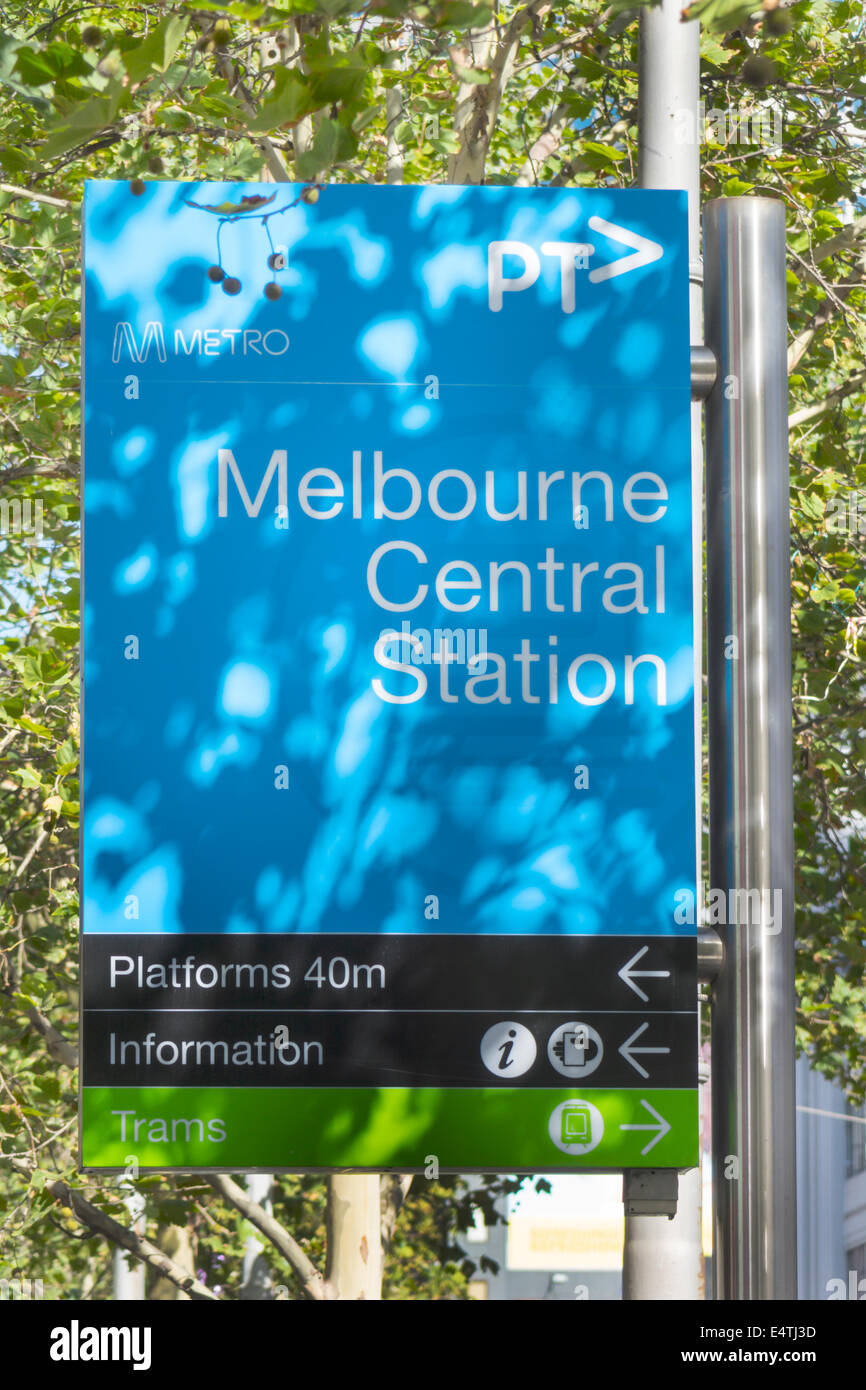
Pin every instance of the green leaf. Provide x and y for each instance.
(331, 143)
(478, 76)
(174, 117)
(155, 53)
(720, 15)
(172, 1212)
(33, 727)
(83, 121)
(292, 101)
(34, 67)
(15, 159)
(239, 9)
(344, 83)
(446, 143)
(457, 14)
(812, 505)
(716, 53)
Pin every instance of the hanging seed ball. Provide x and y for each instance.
(136, 187)
(277, 261)
(777, 22)
(310, 195)
(91, 35)
(216, 273)
(272, 291)
(231, 285)
(758, 71)
(155, 164)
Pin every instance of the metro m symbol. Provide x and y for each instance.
(153, 335)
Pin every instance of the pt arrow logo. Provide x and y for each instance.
(628, 1051)
(629, 975)
(645, 251)
(659, 1129)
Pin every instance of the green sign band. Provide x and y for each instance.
(483, 1130)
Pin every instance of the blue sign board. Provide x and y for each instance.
(389, 737)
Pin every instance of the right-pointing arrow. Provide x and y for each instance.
(645, 251)
(628, 975)
(659, 1129)
(628, 1051)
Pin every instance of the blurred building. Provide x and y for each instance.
(831, 1190)
(567, 1244)
(564, 1245)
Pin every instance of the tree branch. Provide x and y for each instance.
(477, 105)
(842, 241)
(821, 317)
(59, 1049)
(394, 1191)
(311, 1280)
(393, 116)
(126, 1239)
(138, 1246)
(276, 164)
(17, 192)
(832, 399)
(303, 131)
(546, 145)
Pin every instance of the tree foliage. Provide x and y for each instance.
(446, 91)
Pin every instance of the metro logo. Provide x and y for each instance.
(202, 342)
(124, 335)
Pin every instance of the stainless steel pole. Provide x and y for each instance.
(750, 750)
(661, 1257)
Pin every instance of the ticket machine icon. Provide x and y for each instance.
(576, 1124)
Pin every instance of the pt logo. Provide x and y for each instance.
(508, 1049)
(572, 256)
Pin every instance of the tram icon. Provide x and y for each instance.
(576, 1124)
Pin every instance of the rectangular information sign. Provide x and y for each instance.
(389, 740)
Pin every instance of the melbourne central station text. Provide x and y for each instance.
(400, 576)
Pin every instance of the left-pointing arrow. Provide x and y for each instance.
(628, 1051)
(659, 1129)
(645, 251)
